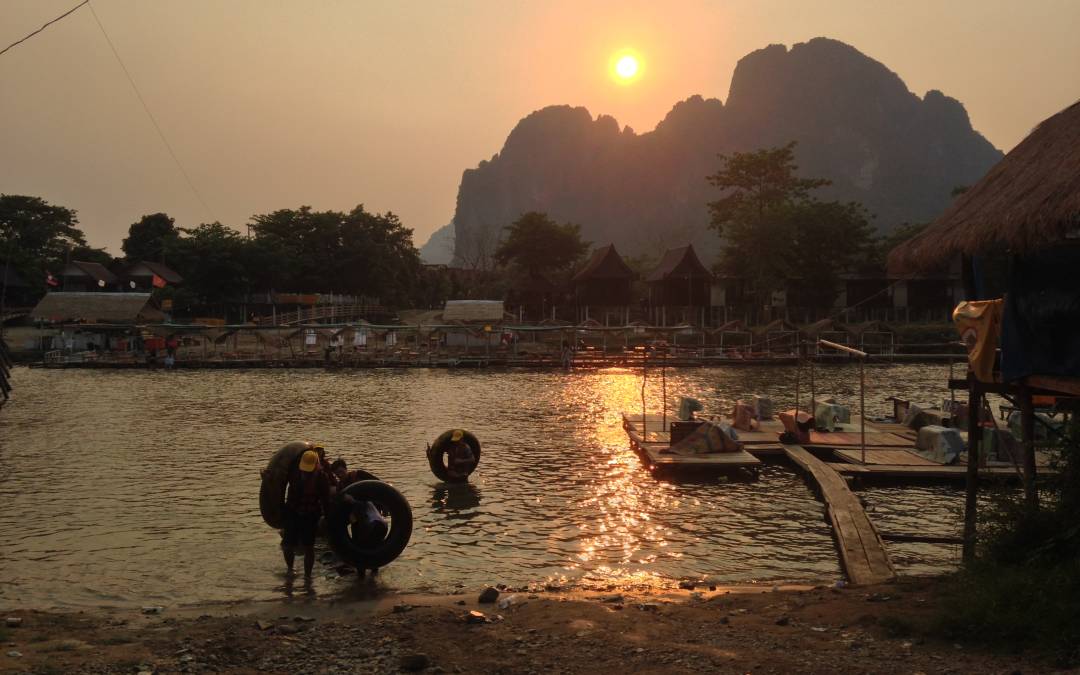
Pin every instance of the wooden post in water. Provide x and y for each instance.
(1027, 427)
(972, 487)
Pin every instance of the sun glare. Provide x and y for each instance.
(626, 67)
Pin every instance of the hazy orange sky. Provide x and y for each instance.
(272, 104)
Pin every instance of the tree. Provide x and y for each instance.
(150, 239)
(36, 236)
(827, 239)
(538, 245)
(775, 230)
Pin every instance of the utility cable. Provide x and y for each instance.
(149, 114)
(44, 26)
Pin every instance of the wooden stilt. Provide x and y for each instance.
(975, 400)
(1027, 427)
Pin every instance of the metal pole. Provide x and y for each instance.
(644, 375)
(974, 436)
(798, 372)
(813, 390)
(663, 380)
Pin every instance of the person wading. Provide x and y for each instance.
(460, 459)
(307, 498)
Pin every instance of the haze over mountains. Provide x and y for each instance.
(855, 121)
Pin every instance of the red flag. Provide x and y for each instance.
(50, 280)
(158, 282)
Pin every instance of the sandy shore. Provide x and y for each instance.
(806, 629)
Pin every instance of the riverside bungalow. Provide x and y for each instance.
(680, 287)
(1026, 210)
(603, 288)
(80, 276)
(141, 275)
(472, 323)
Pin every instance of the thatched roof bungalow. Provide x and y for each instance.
(79, 275)
(1027, 206)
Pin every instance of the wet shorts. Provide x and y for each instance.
(300, 529)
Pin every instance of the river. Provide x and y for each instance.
(130, 488)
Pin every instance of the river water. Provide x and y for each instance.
(129, 488)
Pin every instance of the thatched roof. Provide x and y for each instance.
(680, 263)
(605, 263)
(473, 310)
(96, 308)
(1028, 200)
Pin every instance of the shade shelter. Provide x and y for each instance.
(63, 307)
(604, 286)
(680, 281)
(1026, 210)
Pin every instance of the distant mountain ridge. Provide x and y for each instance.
(856, 123)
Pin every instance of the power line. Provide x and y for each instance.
(149, 114)
(44, 26)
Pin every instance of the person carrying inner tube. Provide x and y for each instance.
(459, 457)
(307, 498)
(368, 524)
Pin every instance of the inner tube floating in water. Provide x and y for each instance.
(437, 455)
(367, 542)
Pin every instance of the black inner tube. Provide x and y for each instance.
(436, 455)
(356, 539)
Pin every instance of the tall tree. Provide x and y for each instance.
(150, 238)
(767, 214)
(538, 245)
(36, 236)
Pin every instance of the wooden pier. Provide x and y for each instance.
(862, 551)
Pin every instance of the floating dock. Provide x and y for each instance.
(654, 437)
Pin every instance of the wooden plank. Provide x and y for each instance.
(861, 550)
(892, 456)
(836, 439)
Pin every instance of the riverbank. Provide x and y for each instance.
(880, 629)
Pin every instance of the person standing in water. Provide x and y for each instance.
(307, 498)
(460, 459)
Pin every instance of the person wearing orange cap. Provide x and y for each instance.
(460, 459)
(307, 498)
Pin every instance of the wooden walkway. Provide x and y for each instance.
(861, 549)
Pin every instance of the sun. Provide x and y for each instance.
(625, 67)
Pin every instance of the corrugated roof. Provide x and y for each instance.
(96, 308)
(605, 263)
(1030, 199)
(680, 262)
(161, 269)
(473, 310)
(95, 271)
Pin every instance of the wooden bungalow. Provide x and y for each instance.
(141, 276)
(80, 276)
(603, 288)
(1025, 210)
(680, 288)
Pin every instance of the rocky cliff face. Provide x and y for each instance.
(855, 121)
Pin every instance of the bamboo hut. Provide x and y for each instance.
(1026, 208)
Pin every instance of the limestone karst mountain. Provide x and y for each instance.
(855, 121)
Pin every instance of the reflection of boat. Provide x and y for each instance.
(686, 444)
